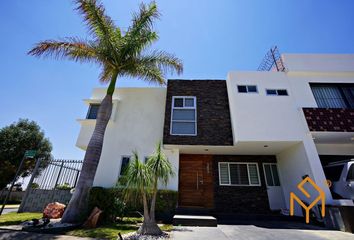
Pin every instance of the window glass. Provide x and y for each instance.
(252, 88)
(224, 173)
(252, 169)
(271, 92)
(282, 92)
(328, 96)
(242, 88)
(275, 175)
(189, 102)
(184, 114)
(239, 174)
(333, 172)
(124, 165)
(183, 128)
(178, 102)
(350, 176)
(268, 175)
(93, 111)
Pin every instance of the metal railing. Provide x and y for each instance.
(57, 174)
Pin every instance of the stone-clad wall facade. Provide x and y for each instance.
(241, 199)
(330, 119)
(213, 113)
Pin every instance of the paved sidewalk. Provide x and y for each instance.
(252, 232)
(21, 235)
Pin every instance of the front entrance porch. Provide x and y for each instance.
(229, 185)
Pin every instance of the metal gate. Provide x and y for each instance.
(51, 181)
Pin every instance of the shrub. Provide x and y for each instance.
(110, 200)
(65, 186)
(34, 185)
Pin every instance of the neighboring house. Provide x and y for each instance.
(240, 145)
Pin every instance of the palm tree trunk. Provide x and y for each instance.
(149, 226)
(76, 212)
(153, 201)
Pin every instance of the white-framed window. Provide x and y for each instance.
(277, 92)
(124, 164)
(239, 174)
(184, 116)
(92, 111)
(247, 89)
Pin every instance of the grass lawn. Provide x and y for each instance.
(110, 231)
(16, 218)
(107, 231)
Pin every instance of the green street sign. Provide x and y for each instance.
(30, 153)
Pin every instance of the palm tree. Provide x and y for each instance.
(142, 180)
(119, 54)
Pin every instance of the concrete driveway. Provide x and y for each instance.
(258, 232)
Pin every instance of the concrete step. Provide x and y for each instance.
(198, 211)
(194, 220)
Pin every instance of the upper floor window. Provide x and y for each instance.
(184, 116)
(333, 95)
(239, 174)
(92, 111)
(247, 88)
(277, 92)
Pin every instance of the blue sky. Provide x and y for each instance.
(212, 37)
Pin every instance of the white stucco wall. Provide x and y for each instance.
(138, 125)
(296, 162)
(319, 62)
(258, 117)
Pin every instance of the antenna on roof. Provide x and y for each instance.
(272, 61)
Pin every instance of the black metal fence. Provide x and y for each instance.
(58, 174)
(51, 181)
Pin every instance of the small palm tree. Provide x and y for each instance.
(142, 180)
(119, 54)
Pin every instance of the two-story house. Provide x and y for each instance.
(239, 145)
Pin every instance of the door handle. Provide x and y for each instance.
(197, 181)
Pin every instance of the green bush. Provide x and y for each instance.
(111, 201)
(34, 185)
(65, 186)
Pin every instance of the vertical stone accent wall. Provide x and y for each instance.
(241, 199)
(330, 119)
(213, 113)
(38, 199)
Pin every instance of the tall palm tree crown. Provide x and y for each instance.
(119, 54)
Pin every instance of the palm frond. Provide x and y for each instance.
(143, 21)
(165, 61)
(70, 48)
(106, 74)
(160, 166)
(99, 24)
(138, 176)
(147, 73)
(140, 35)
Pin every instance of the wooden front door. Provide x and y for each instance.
(196, 181)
